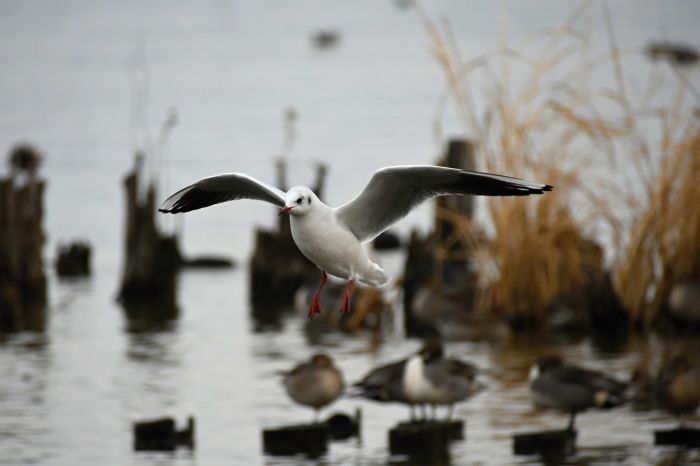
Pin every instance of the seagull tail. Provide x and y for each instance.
(375, 277)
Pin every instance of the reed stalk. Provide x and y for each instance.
(554, 125)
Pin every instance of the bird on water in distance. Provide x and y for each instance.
(332, 237)
(572, 389)
(316, 383)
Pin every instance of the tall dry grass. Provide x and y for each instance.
(664, 243)
(536, 112)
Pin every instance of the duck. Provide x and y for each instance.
(316, 383)
(571, 389)
(677, 387)
(425, 378)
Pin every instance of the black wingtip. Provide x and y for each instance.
(547, 188)
(165, 211)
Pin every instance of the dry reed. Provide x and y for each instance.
(549, 127)
(664, 244)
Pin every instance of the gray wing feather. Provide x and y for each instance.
(394, 191)
(384, 383)
(221, 188)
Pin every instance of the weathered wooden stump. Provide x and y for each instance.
(548, 444)
(423, 441)
(22, 278)
(680, 436)
(455, 428)
(73, 260)
(151, 258)
(208, 262)
(307, 439)
(342, 426)
(443, 255)
(160, 435)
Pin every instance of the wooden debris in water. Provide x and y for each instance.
(161, 435)
(342, 426)
(308, 439)
(22, 278)
(442, 256)
(208, 262)
(311, 439)
(455, 428)
(425, 442)
(453, 214)
(681, 436)
(151, 258)
(553, 445)
(73, 259)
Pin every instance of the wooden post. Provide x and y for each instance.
(460, 154)
(342, 426)
(455, 428)
(425, 442)
(421, 264)
(73, 260)
(160, 435)
(551, 444)
(152, 259)
(681, 436)
(22, 278)
(308, 439)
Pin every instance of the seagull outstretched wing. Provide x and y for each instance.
(221, 188)
(394, 191)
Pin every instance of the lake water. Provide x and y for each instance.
(231, 69)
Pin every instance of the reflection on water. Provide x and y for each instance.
(72, 399)
(24, 427)
(158, 374)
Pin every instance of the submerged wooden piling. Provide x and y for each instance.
(681, 436)
(22, 278)
(161, 435)
(342, 426)
(425, 442)
(451, 212)
(548, 444)
(307, 439)
(151, 258)
(441, 257)
(73, 259)
(454, 428)
(311, 439)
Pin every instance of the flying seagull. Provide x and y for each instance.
(332, 237)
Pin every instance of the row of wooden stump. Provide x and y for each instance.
(423, 442)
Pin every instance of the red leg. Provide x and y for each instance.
(315, 302)
(346, 301)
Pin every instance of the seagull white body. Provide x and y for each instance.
(344, 257)
(332, 237)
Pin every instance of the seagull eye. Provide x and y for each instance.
(300, 200)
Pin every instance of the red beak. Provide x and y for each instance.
(284, 210)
